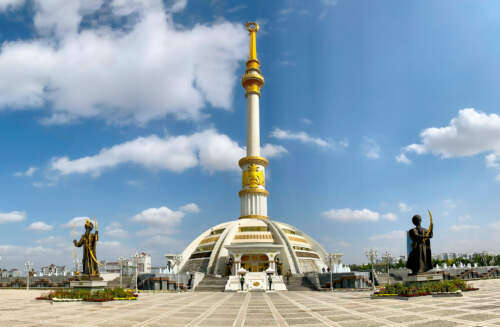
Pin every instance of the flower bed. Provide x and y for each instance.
(470, 289)
(443, 288)
(448, 294)
(105, 295)
(65, 300)
(415, 294)
(131, 298)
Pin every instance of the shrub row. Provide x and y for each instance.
(425, 288)
(107, 294)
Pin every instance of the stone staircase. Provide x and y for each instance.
(300, 283)
(384, 279)
(128, 282)
(212, 284)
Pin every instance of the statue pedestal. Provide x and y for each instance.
(88, 282)
(423, 278)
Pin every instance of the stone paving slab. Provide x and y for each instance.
(345, 309)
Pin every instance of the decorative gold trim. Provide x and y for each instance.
(253, 190)
(297, 239)
(253, 237)
(253, 177)
(252, 80)
(253, 159)
(209, 240)
(306, 255)
(254, 216)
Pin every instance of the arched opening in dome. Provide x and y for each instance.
(255, 262)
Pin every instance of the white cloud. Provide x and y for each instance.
(190, 208)
(54, 240)
(327, 4)
(464, 218)
(451, 204)
(208, 149)
(459, 228)
(330, 3)
(370, 148)
(492, 160)
(402, 158)
(134, 183)
(403, 207)
(12, 217)
(349, 215)
(389, 216)
(303, 137)
(470, 133)
(40, 226)
(306, 121)
(28, 173)
(77, 222)
(26, 251)
(344, 244)
(272, 150)
(495, 225)
(162, 242)
(160, 217)
(394, 235)
(10, 4)
(151, 69)
(355, 215)
(109, 244)
(114, 230)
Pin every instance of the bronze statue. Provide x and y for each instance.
(419, 246)
(89, 243)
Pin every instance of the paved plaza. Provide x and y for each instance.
(347, 309)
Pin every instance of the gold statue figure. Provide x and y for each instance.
(89, 243)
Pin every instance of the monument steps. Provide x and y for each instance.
(300, 283)
(212, 284)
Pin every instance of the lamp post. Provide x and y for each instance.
(28, 265)
(371, 254)
(331, 257)
(388, 257)
(177, 259)
(121, 260)
(136, 257)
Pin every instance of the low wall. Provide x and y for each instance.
(353, 279)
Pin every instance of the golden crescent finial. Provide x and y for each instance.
(252, 27)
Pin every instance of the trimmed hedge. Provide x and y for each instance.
(107, 294)
(446, 286)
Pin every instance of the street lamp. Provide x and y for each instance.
(331, 257)
(177, 259)
(136, 256)
(28, 265)
(371, 254)
(388, 257)
(121, 260)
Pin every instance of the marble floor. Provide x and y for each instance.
(347, 309)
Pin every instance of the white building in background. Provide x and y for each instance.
(112, 267)
(53, 270)
(14, 273)
(143, 263)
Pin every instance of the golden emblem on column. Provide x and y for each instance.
(253, 177)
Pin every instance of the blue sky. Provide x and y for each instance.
(133, 113)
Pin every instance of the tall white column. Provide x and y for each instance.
(253, 127)
(253, 195)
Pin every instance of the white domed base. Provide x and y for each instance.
(255, 245)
